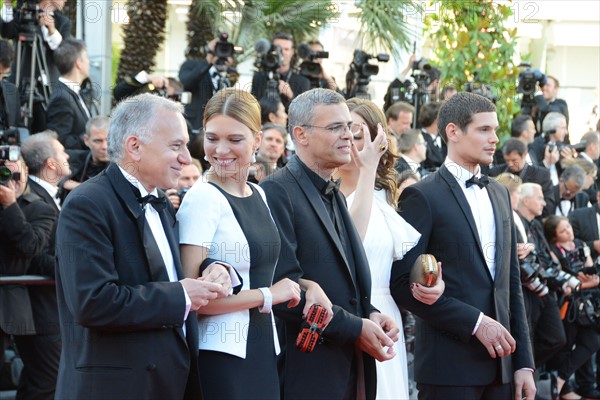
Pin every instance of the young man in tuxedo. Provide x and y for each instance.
(127, 314)
(473, 342)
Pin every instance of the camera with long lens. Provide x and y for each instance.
(361, 70)
(9, 151)
(533, 275)
(309, 68)
(558, 278)
(29, 14)
(224, 49)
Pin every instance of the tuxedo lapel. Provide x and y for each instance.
(170, 226)
(124, 190)
(314, 199)
(496, 199)
(76, 100)
(40, 191)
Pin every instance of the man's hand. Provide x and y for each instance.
(8, 194)
(523, 249)
(285, 89)
(373, 341)
(495, 338)
(551, 157)
(47, 20)
(219, 274)
(387, 323)
(158, 81)
(200, 291)
(173, 198)
(524, 382)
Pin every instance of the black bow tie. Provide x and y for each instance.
(332, 186)
(159, 203)
(481, 182)
(216, 74)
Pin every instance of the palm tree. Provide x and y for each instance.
(143, 35)
(200, 28)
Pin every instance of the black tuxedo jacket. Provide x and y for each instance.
(196, 79)
(121, 318)
(446, 352)
(585, 226)
(403, 165)
(67, 117)
(25, 227)
(10, 116)
(533, 174)
(311, 249)
(580, 200)
(435, 155)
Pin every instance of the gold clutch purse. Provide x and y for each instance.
(425, 270)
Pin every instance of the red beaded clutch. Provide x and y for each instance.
(311, 329)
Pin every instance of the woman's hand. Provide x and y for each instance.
(316, 295)
(429, 295)
(588, 281)
(286, 290)
(368, 157)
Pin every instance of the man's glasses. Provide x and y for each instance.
(339, 129)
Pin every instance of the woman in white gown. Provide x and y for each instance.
(369, 183)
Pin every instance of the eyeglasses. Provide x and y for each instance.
(339, 129)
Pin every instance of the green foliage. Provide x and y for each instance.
(469, 40)
(383, 26)
(249, 20)
(116, 56)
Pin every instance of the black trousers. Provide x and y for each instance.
(489, 392)
(585, 341)
(546, 330)
(40, 355)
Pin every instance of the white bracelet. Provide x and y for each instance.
(267, 301)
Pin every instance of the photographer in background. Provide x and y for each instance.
(10, 107)
(312, 54)
(189, 175)
(424, 84)
(203, 78)
(138, 83)
(52, 27)
(548, 102)
(277, 66)
(549, 147)
(545, 325)
(26, 226)
(96, 139)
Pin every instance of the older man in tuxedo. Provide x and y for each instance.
(320, 243)
(126, 312)
(473, 342)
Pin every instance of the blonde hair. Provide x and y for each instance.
(237, 104)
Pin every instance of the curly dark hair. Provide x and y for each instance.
(386, 174)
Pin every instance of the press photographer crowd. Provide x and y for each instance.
(295, 241)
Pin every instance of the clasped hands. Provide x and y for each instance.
(215, 283)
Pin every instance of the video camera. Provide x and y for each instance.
(225, 49)
(359, 75)
(269, 56)
(527, 87)
(9, 151)
(29, 14)
(309, 68)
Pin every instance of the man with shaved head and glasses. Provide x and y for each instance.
(320, 243)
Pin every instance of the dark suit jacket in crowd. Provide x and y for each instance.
(67, 117)
(585, 226)
(25, 227)
(11, 115)
(196, 79)
(435, 156)
(298, 83)
(533, 174)
(446, 351)
(311, 249)
(580, 200)
(121, 318)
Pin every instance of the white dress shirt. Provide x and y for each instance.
(158, 232)
(48, 187)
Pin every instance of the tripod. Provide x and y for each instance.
(29, 86)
